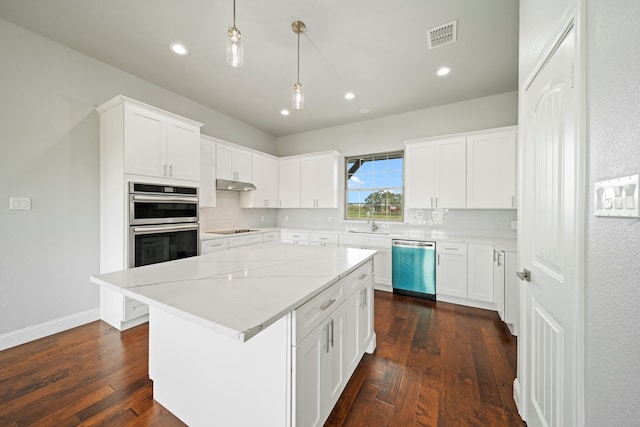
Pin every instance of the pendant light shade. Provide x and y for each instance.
(234, 43)
(298, 27)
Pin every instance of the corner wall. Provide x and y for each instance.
(49, 139)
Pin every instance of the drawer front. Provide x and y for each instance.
(324, 238)
(271, 236)
(377, 242)
(351, 240)
(214, 245)
(134, 308)
(294, 236)
(313, 312)
(451, 248)
(251, 239)
(358, 278)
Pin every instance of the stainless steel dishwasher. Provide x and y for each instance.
(413, 268)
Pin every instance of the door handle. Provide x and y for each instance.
(524, 275)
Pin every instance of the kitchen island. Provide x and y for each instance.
(254, 336)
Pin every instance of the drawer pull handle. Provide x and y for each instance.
(327, 304)
(362, 276)
(451, 249)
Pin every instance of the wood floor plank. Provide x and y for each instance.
(436, 364)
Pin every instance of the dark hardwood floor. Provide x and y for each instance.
(436, 364)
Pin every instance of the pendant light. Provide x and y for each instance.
(234, 43)
(298, 27)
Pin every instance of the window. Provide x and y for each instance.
(374, 187)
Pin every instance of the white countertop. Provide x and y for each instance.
(503, 243)
(237, 293)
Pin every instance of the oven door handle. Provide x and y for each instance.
(164, 228)
(166, 199)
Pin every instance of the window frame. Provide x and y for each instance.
(396, 154)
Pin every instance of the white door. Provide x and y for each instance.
(289, 183)
(183, 150)
(549, 244)
(308, 182)
(145, 150)
(420, 176)
(451, 170)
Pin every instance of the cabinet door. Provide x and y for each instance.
(451, 275)
(480, 272)
(365, 323)
(420, 176)
(308, 182)
(333, 369)
(352, 315)
(498, 282)
(327, 182)
(207, 192)
(451, 170)
(491, 171)
(512, 292)
(309, 356)
(289, 183)
(264, 173)
(145, 150)
(224, 162)
(382, 264)
(183, 150)
(242, 165)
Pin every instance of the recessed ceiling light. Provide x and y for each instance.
(179, 49)
(349, 95)
(284, 112)
(443, 71)
(364, 110)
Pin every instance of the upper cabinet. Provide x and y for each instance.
(233, 164)
(289, 183)
(319, 181)
(310, 181)
(491, 171)
(150, 141)
(436, 174)
(264, 174)
(207, 173)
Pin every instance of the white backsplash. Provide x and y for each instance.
(463, 222)
(228, 215)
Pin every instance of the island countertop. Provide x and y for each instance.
(240, 292)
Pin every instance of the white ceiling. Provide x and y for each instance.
(375, 48)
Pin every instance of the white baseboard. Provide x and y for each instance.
(32, 333)
(516, 395)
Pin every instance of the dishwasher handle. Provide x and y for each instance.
(414, 244)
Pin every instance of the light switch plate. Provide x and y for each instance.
(617, 197)
(19, 203)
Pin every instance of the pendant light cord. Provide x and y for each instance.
(234, 13)
(298, 57)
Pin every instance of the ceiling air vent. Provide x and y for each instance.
(442, 35)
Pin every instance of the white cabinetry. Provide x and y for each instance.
(511, 293)
(491, 171)
(358, 317)
(213, 245)
(207, 192)
(319, 181)
(323, 238)
(151, 142)
(289, 183)
(451, 269)
(498, 282)
(480, 272)
(435, 174)
(381, 260)
(264, 175)
(233, 163)
(295, 237)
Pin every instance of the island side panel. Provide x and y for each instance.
(205, 378)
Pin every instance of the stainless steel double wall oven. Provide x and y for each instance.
(163, 223)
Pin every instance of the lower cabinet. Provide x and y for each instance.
(480, 272)
(498, 282)
(331, 333)
(451, 269)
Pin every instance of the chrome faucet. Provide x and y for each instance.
(374, 226)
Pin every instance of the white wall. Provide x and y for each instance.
(613, 254)
(49, 136)
(388, 133)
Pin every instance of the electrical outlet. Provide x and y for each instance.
(329, 219)
(262, 218)
(514, 225)
(19, 203)
(286, 217)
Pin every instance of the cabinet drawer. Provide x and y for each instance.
(214, 245)
(358, 278)
(251, 239)
(451, 248)
(270, 236)
(377, 242)
(289, 236)
(351, 240)
(310, 314)
(324, 238)
(134, 308)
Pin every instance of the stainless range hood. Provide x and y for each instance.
(223, 184)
